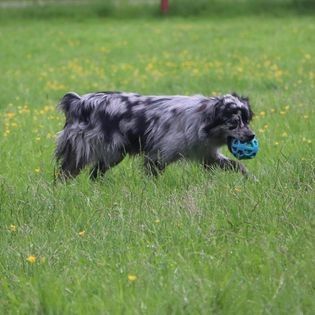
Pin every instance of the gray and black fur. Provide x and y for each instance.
(101, 128)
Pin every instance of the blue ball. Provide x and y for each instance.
(243, 150)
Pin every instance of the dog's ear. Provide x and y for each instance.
(245, 100)
(215, 118)
(235, 95)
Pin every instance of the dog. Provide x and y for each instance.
(102, 128)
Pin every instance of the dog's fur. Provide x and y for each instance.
(101, 128)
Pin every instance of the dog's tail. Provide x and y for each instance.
(70, 104)
(71, 145)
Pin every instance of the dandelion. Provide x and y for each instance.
(282, 112)
(262, 114)
(284, 134)
(37, 170)
(10, 115)
(12, 228)
(81, 233)
(31, 259)
(157, 221)
(278, 73)
(276, 143)
(132, 278)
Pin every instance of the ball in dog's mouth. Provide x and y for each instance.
(243, 149)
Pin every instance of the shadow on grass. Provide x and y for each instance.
(214, 9)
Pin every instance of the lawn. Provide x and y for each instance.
(189, 242)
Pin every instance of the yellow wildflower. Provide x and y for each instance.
(82, 233)
(132, 278)
(31, 259)
(13, 228)
(10, 115)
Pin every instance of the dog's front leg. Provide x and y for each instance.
(219, 160)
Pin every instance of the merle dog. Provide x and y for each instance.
(101, 128)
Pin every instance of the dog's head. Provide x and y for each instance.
(232, 116)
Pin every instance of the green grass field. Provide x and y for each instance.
(190, 242)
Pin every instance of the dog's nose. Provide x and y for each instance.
(250, 137)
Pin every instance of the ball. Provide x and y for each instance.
(243, 150)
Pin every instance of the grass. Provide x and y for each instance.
(151, 9)
(189, 242)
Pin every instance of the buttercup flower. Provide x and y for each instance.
(132, 278)
(31, 259)
(12, 228)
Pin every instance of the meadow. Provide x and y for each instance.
(190, 241)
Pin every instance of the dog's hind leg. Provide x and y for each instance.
(98, 169)
(101, 167)
(69, 167)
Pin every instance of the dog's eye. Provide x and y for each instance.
(244, 118)
(234, 124)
